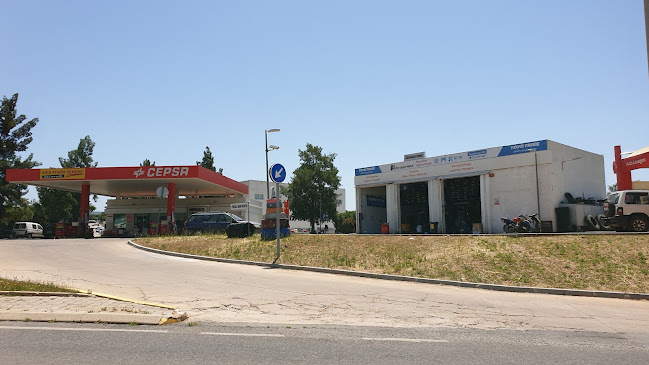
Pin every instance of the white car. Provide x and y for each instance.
(28, 229)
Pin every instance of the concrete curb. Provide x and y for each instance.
(85, 318)
(95, 317)
(463, 284)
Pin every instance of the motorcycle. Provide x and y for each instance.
(522, 224)
(509, 226)
(528, 224)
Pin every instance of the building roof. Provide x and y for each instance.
(138, 181)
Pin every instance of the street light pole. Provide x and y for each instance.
(272, 148)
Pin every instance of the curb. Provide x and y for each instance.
(145, 319)
(81, 317)
(463, 284)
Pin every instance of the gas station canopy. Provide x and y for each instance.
(139, 181)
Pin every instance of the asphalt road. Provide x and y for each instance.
(45, 343)
(222, 293)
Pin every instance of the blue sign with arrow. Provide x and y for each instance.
(277, 173)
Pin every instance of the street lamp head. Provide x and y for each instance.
(272, 130)
(271, 147)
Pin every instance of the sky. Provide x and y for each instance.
(367, 80)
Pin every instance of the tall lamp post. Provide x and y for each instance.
(271, 148)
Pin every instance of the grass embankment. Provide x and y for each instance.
(590, 262)
(20, 285)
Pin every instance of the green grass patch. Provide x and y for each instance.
(28, 285)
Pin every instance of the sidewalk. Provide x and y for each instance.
(78, 307)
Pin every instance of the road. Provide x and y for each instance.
(230, 293)
(56, 343)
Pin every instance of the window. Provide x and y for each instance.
(339, 202)
(636, 198)
(119, 221)
(259, 196)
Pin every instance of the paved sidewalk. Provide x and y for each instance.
(76, 307)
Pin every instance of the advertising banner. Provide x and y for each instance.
(63, 174)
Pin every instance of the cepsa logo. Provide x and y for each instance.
(162, 171)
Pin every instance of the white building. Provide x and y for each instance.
(471, 191)
(257, 191)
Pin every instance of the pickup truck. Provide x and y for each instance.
(628, 210)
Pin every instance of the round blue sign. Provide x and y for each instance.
(277, 173)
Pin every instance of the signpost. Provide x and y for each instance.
(277, 173)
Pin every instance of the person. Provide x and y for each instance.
(326, 230)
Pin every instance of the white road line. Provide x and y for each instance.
(79, 329)
(241, 334)
(396, 339)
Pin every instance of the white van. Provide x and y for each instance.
(28, 229)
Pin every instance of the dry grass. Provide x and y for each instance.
(591, 262)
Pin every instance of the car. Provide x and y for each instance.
(49, 231)
(214, 222)
(628, 210)
(7, 233)
(28, 229)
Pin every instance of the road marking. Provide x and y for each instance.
(79, 329)
(241, 334)
(396, 339)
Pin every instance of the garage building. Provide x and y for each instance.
(469, 192)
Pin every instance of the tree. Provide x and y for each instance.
(82, 156)
(146, 162)
(312, 191)
(612, 188)
(346, 222)
(15, 136)
(60, 205)
(208, 161)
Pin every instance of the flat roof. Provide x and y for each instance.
(138, 181)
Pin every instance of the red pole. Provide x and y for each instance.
(85, 208)
(171, 207)
(622, 171)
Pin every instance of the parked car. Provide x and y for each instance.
(28, 229)
(49, 231)
(7, 233)
(214, 222)
(628, 210)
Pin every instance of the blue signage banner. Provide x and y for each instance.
(368, 171)
(523, 147)
(376, 201)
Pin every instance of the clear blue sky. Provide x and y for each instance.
(367, 80)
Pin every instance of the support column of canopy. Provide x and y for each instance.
(84, 214)
(171, 207)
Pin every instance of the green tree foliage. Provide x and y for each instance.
(57, 205)
(146, 162)
(312, 191)
(15, 136)
(82, 156)
(612, 188)
(208, 161)
(346, 222)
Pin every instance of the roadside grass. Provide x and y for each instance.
(29, 285)
(588, 262)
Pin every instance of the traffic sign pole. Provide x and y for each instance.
(277, 174)
(277, 230)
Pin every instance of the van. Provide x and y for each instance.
(28, 229)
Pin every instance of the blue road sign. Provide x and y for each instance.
(277, 173)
